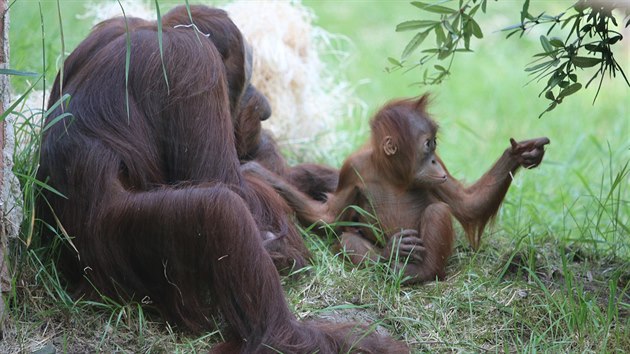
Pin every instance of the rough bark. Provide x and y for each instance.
(10, 205)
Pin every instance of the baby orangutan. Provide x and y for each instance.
(398, 178)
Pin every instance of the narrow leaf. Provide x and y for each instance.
(18, 101)
(450, 28)
(440, 68)
(62, 101)
(513, 27)
(56, 120)
(554, 80)
(476, 30)
(556, 42)
(585, 62)
(593, 48)
(539, 66)
(613, 40)
(433, 8)
(63, 49)
(571, 89)
(545, 44)
(127, 60)
(18, 73)
(549, 109)
(414, 43)
(549, 95)
(159, 30)
(443, 54)
(440, 37)
(525, 11)
(394, 61)
(512, 33)
(473, 11)
(413, 25)
(467, 40)
(40, 184)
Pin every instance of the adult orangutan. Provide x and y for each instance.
(152, 203)
(399, 179)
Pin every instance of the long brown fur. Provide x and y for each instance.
(155, 206)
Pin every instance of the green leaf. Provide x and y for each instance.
(585, 62)
(545, 44)
(40, 184)
(440, 68)
(513, 27)
(512, 33)
(550, 108)
(473, 11)
(613, 19)
(467, 36)
(593, 48)
(450, 28)
(540, 55)
(476, 30)
(394, 61)
(56, 120)
(539, 66)
(159, 33)
(63, 102)
(18, 101)
(573, 77)
(455, 23)
(613, 40)
(571, 89)
(554, 80)
(433, 8)
(18, 73)
(443, 54)
(525, 11)
(556, 42)
(412, 25)
(440, 37)
(549, 95)
(127, 60)
(414, 43)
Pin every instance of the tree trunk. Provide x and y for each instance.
(4, 86)
(10, 205)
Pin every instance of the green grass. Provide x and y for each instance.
(552, 274)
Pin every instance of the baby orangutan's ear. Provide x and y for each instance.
(389, 147)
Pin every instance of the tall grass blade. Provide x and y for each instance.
(127, 59)
(63, 50)
(191, 21)
(159, 29)
(18, 101)
(17, 73)
(44, 68)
